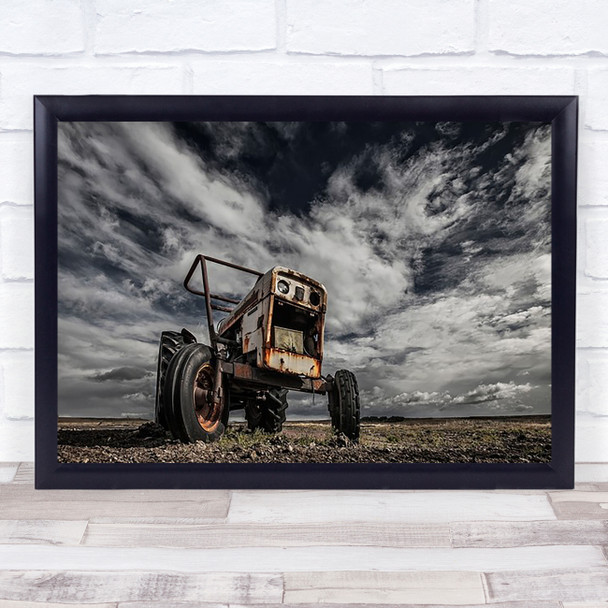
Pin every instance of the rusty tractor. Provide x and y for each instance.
(270, 342)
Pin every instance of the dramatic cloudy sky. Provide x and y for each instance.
(433, 240)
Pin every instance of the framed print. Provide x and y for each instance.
(305, 292)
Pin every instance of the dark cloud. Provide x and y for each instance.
(433, 240)
(122, 373)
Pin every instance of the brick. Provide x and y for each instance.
(310, 78)
(16, 440)
(590, 441)
(21, 82)
(17, 389)
(16, 315)
(596, 115)
(592, 320)
(41, 27)
(596, 401)
(362, 27)
(546, 27)
(596, 245)
(184, 25)
(16, 168)
(478, 81)
(17, 243)
(592, 174)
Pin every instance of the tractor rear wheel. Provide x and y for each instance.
(170, 343)
(268, 415)
(194, 413)
(344, 405)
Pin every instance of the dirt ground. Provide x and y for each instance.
(454, 440)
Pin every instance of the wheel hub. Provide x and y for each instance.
(207, 412)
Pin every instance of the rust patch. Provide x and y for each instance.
(242, 370)
(292, 363)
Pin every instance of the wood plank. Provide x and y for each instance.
(588, 487)
(376, 605)
(159, 520)
(25, 473)
(576, 496)
(288, 507)
(51, 532)
(537, 533)
(21, 501)
(180, 604)
(8, 470)
(580, 510)
(118, 586)
(305, 559)
(576, 585)
(265, 535)
(454, 588)
(585, 604)
(27, 604)
(572, 504)
(337, 605)
(591, 472)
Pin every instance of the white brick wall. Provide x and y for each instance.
(39, 27)
(392, 27)
(285, 77)
(592, 174)
(597, 111)
(478, 80)
(16, 167)
(19, 81)
(299, 47)
(17, 239)
(546, 27)
(143, 26)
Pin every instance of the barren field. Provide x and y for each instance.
(516, 439)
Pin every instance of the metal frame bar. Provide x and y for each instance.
(263, 377)
(209, 305)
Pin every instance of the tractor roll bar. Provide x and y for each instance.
(209, 305)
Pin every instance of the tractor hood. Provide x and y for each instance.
(284, 284)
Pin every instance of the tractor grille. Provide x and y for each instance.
(289, 340)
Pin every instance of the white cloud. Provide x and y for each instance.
(484, 399)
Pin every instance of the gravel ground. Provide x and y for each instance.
(447, 440)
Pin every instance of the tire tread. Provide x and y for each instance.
(170, 343)
(345, 411)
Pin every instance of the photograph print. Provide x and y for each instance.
(304, 292)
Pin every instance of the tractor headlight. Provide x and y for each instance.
(283, 286)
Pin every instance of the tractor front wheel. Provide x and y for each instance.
(196, 412)
(344, 406)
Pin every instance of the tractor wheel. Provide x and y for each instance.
(170, 343)
(192, 377)
(253, 415)
(344, 406)
(268, 415)
(172, 405)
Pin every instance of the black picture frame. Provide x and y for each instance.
(560, 111)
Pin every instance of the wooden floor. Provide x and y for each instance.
(139, 549)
